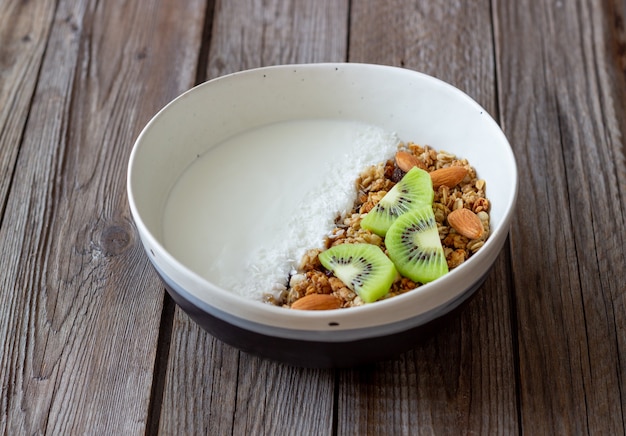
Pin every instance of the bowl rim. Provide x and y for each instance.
(340, 318)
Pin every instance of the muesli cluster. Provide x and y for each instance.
(456, 187)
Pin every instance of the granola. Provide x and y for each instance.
(372, 184)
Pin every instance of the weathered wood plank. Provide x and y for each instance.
(277, 399)
(238, 393)
(24, 28)
(455, 382)
(449, 40)
(261, 33)
(563, 100)
(80, 307)
(462, 380)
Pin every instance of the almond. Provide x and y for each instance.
(448, 176)
(466, 222)
(317, 302)
(406, 161)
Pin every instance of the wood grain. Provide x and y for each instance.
(260, 33)
(443, 384)
(277, 399)
(563, 104)
(436, 38)
(262, 397)
(80, 306)
(455, 382)
(200, 383)
(89, 343)
(463, 379)
(24, 28)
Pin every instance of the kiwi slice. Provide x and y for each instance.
(414, 246)
(413, 190)
(363, 268)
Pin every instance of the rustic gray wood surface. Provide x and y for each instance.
(91, 344)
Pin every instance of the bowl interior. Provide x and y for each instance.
(414, 106)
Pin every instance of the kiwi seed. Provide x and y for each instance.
(413, 190)
(414, 246)
(363, 268)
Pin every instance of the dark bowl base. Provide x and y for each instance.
(316, 354)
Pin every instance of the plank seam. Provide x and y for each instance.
(205, 43)
(161, 360)
(513, 319)
(348, 24)
(4, 204)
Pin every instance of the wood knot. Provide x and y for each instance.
(114, 240)
(141, 54)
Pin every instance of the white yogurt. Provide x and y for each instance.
(244, 213)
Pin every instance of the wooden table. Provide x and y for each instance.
(90, 343)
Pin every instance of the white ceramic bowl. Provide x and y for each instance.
(417, 107)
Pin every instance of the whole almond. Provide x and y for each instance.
(317, 302)
(406, 161)
(448, 176)
(466, 222)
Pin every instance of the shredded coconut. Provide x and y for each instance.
(245, 212)
(320, 205)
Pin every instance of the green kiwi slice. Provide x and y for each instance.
(414, 246)
(363, 268)
(413, 190)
